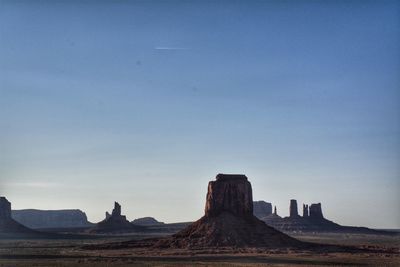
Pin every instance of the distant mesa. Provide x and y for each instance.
(262, 209)
(115, 223)
(42, 219)
(146, 221)
(273, 218)
(228, 220)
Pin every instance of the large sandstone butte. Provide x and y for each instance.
(231, 193)
(228, 220)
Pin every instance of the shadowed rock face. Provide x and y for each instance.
(115, 223)
(305, 211)
(5, 208)
(262, 209)
(316, 211)
(145, 221)
(228, 221)
(115, 220)
(293, 208)
(231, 193)
(38, 219)
(117, 209)
(8, 226)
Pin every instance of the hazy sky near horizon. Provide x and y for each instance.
(144, 102)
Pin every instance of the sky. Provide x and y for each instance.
(144, 102)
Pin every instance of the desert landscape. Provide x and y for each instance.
(199, 133)
(227, 235)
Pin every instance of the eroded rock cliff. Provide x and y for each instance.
(228, 220)
(39, 219)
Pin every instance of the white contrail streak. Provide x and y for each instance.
(170, 48)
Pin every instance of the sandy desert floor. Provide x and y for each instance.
(383, 251)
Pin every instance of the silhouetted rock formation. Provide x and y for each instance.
(306, 213)
(9, 228)
(228, 220)
(293, 208)
(147, 221)
(116, 212)
(273, 218)
(229, 193)
(312, 221)
(5, 208)
(262, 209)
(316, 212)
(38, 219)
(115, 223)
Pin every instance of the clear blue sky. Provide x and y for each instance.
(144, 102)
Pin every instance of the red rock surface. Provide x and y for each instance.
(228, 221)
(230, 193)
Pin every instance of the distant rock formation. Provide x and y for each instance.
(5, 208)
(273, 218)
(115, 223)
(116, 212)
(39, 219)
(306, 213)
(316, 212)
(293, 208)
(312, 221)
(146, 221)
(228, 220)
(9, 228)
(262, 209)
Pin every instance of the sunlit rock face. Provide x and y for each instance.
(231, 193)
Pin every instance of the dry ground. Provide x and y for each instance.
(68, 253)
